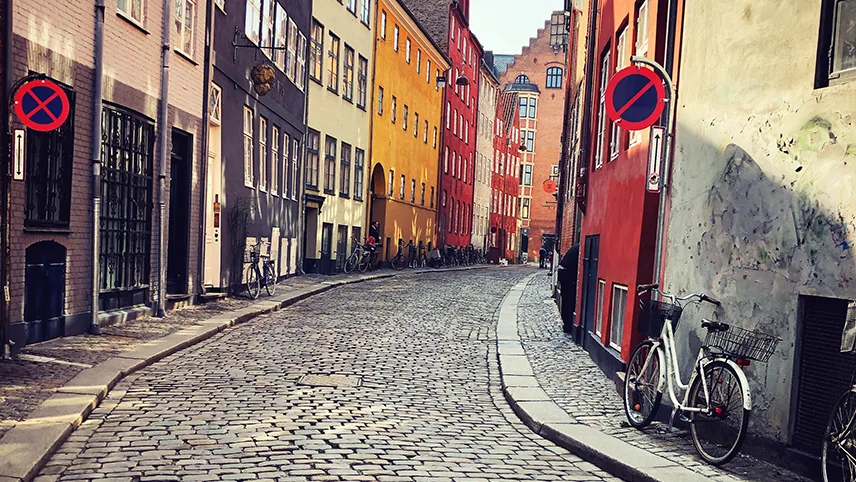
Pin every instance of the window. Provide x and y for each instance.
(436, 85)
(454, 162)
(395, 35)
(416, 124)
(352, 6)
(380, 100)
(215, 105)
(435, 137)
(313, 143)
(418, 61)
(448, 113)
(362, 82)
(528, 139)
(295, 162)
(263, 160)
(248, 147)
(300, 74)
(251, 25)
(413, 190)
(333, 64)
(365, 14)
(444, 198)
(185, 15)
(524, 208)
(221, 4)
(621, 60)
(274, 161)
(330, 165)
(428, 71)
(287, 167)
(616, 322)
(382, 24)
(422, 199)
(425, 137)
(532, 111)
(317, 51)
(446, 160)
(527, 174)
(394, 108)
(406, 110)
(601, 111)
(291, 55)
(554, 78)
(456, 122)
(135, 10)
(401, 188)
(598, 307)
(50, 159)
(407, 51)
(345, 172)
(522, 79)
(391, 182)
(359, 172)
(558, 30)
(837, 45)
(348, 77)
(432, 197)
(281, 37)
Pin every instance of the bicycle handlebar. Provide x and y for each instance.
(645, 288)
(642, 289)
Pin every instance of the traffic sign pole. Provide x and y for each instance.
(669, 123)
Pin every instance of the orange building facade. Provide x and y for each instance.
(406, 128)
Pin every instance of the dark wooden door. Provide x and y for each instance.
(590, 256)
(44, 298)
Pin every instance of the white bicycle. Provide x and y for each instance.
(717, 401)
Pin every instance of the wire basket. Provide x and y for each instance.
(654, 316)
(738, 342)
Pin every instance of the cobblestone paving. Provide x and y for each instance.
(428, 406)
(24, 383)
(570, 377)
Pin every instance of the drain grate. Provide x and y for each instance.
(334, 381)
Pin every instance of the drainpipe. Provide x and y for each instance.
(563, 162)
(203, 180)
(585, 137)
(369, 185)
(5, 313)
(95, 146)
(301, 171)
(163, 151)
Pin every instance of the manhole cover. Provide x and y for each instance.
(329, 381)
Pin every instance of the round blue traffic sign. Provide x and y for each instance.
(635, 98)
(42, 105)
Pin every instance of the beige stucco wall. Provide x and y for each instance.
(488, 91)
(330, 114)
(763, 206)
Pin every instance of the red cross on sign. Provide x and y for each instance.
(41, 105)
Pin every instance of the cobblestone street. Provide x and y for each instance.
(427, 405)
(567, 373)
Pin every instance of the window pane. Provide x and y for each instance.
(844, 53)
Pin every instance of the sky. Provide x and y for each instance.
(505, 26)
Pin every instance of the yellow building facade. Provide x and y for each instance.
(406, 128)
(341, 46)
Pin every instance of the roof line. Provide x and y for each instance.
(424, 32)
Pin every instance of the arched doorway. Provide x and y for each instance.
(377, 210)
(44, 291)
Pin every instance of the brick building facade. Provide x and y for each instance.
(537, 75)
(54, 275)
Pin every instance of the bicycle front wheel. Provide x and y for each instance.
(270, 280)
(718, 433)
(352, 263)
(642, 393)
(399, 262)
(254, 285)
(365, 262)
(838, 453)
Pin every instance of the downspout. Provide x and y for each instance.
(563, 162)
(301, 172)
(369, 186)
(95, 146)
(5, 312)
(585, 137)
(203, 180)
(162, 153)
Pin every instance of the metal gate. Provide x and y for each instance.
(127, 154)
(824, 372)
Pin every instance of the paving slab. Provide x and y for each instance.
(99, 379)
(510, 348)
(516, 365)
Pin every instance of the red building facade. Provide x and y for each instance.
(505, 183)
(448, 23)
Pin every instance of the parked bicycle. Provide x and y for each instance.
(717, 401)
(369, 258)
(260, 276)
(405, 257)
(353, 261)
(838, 452)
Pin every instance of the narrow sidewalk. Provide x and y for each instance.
(556, 388)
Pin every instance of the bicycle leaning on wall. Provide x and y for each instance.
(717, 401)
(260, 276)
(838, 452)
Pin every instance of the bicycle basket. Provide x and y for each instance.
(738, 342)
(252, 253)
(654, 316)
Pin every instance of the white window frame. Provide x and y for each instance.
(253, 20)
(365, 13)
(396, 37)
(352, 6)
(616, 336)
(598, 306)
(383, 24)
(295, 161)
(428, 71)
(268, 26)
(391, 183)
(183, 24)
(263, 159)
(621, 60)
(401, 188)
(248, 147)
(407, 45)
(300, 75)
(128, 10)
(281, 37)
(291, 55)
(215, 105)
(275, 159)
(601, 112)
(418, 61)
(286, 164)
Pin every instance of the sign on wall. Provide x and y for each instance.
(655, 155)
(18, 147)
(635, 98)
(41, 105)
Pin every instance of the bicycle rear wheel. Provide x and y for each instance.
(399, 262)
(838, 453)
(365, 262)
(642, 393)
(270, 279)
(254, 285)
(352, 263)
(719, 434)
